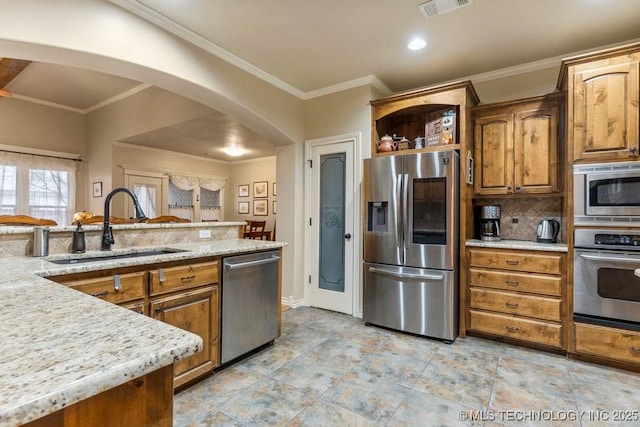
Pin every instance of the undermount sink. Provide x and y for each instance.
(108, 256)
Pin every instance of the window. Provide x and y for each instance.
(37, 186)
(198, 199)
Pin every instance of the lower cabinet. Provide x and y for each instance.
(517, 295)
(608, 343)
(193, 311)
(186, 296)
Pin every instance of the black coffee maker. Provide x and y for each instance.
(490, 223)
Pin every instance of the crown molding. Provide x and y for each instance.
(118, 97)
(47, 103)
(173, 153)
(350, 84)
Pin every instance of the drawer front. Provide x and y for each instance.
(512, 303)
(165, 280)
(523, 329)
(534, 283)
(606, 342)
(131, 287)
(517, 261)
(140, 307)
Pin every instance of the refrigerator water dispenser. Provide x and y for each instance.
(377, 215)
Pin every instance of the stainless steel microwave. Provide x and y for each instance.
(607, 193)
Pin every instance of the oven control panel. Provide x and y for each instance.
(617, 239)
(621, 240)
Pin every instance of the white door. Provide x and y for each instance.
(150, 193)
(331, 199)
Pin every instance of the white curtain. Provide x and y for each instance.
(38, 186)
(187, 183)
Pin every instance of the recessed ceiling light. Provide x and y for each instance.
(233, 151)
(417, 44)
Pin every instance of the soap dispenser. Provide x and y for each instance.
(78, 246)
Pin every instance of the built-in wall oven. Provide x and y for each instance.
(606, 287)
(607, 194)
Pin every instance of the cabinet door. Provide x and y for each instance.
(493, 139)
(536, 151)
(605, 110)
(191, 311)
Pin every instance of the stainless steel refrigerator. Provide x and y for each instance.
(411, 243)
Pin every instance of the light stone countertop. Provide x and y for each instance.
(135, 226)
(518, 244)
(60, 346)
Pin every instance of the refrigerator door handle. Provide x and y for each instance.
(399, 219)
(405, 216)
(407, 275)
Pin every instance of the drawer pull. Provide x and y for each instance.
(513, 328)
(161, 276)
(159, 309)
(188, 278)
(512, 282)
(512, 262)
(511, 304)
(117, 286)
(635, 349)
(100, 294)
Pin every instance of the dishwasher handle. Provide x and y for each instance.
(233, 266)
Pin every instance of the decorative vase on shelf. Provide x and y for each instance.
(386, 144)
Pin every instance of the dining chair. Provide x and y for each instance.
(24, 220)
(256, 230)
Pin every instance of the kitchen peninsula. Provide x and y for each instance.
(61, 347)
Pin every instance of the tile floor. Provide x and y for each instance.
(329, 369)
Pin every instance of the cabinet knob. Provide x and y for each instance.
(508, 187)
(159, 309)
(633, 151)
(518, 188)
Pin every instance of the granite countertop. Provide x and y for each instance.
(519, 244)
(60, 346)
(134, 226)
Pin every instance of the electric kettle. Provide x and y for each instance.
(548, 230)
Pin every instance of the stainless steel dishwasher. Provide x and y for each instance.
(250, 304)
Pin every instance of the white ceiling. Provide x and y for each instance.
(309, 48)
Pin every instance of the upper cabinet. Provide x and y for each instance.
(428, 119)
(516, 146)
(603, 112)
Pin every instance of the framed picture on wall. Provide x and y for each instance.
(260, 207)
(261, 189)
(274, 207)
(243, 190)
(243, 207)
(97, 189)
(274, 189)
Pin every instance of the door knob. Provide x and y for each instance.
(347, 236)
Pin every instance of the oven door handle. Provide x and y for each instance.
(613, 258)
(637, 272)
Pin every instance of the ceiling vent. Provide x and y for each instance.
(438, 7)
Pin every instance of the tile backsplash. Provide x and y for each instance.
(520, 216)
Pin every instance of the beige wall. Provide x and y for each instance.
(249, 172)
(525, 85)
(26, 124)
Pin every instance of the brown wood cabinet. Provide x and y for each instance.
(516, 146)
(414, 114)
(517, 295)
(608, 343)
(193, 311)
(603, 110)
(144, 401)
(185, 296)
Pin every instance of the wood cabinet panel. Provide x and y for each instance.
(607, 342)
(516, 146)
(535, 331)
(494, 149)
(517, 261)
(533, 283)
(192, 311)
(605, 109)
(164, 280)
(139, 307)
(118, 289)
(144, 401)
(518, 304)
(536, 151)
